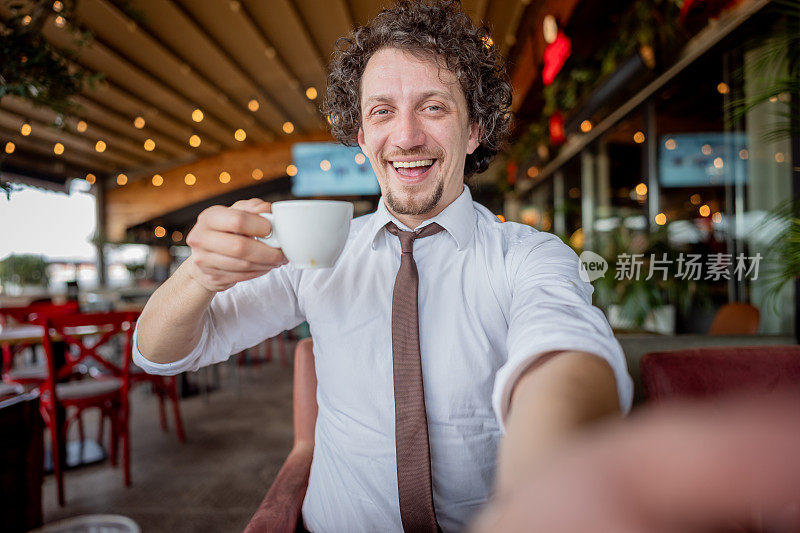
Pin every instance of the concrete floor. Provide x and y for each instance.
(236, 442)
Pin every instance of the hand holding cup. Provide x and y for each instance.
(224, 251)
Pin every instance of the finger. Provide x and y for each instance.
(253, 205)
(208, 260)
(234, 221)
(239, 247)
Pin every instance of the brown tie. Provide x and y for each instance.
(411, 422)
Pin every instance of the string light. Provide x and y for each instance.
(122, 179)
(138, 123)
(779, 157)
(57, 6)
(10, 147)
(533, 172)
(240, 135)
(158, 180)
(291, 170)
(670, 144)
(100, 146)
(257, 174)
(488, 42)
(197, 115)
(706, 149)
(58, 148)
(718, 163)
(311, 93)
(149, 145)
(638, 137)
(81, 126)
(661, 219)
(190, 179)
(160, 231)
(194, 141)
(361, 159)
(695, 199)
(704, 210)
(25, 129)
(325, 165)
(224, 177)
(60, 21)
(716, 217)
(288, 127)
(722, 88)
(252, 105)
(177, 236)
(91, 178)
(744, 154)
(586, 126)
(641, 189)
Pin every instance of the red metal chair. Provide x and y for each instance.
(32, 375)
(280, 511)
(735, 319)
(108, 393)
(706, 372)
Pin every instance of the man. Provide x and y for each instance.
(503, 332)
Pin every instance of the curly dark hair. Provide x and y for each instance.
(437, 29)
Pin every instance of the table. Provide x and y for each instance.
(77, 453)
(32, 334)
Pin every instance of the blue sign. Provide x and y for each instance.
(332, 169)
(702, 159)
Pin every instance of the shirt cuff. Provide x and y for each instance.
(510, 373)
(190, 362)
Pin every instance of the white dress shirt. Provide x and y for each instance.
(492, 297)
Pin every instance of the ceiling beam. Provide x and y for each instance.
(481, 8)
(93, 132)
(90, 164)
(306, 34)
(348, 13)
(263, 129)
(43, 133)
(268, 98)
(111, 96)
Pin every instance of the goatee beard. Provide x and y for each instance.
(415, 206)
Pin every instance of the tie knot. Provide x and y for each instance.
(407, 237)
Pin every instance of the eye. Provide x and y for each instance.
(381, 112)
(434, 107)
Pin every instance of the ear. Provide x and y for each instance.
(361, 142)
(475, 134)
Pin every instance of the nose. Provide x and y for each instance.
(408, 132)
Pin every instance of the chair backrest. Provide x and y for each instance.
(305, 392)
(705, 372)
(80, 331)
(27, 314)
(735, 319)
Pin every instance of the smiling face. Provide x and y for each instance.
(416, 132)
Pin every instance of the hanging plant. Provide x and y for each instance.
(33, 69)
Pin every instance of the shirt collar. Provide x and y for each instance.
(458, 219)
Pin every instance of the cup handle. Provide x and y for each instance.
(271, 239)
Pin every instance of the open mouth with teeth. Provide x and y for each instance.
(413, 170)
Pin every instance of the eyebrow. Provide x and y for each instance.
(385, 98)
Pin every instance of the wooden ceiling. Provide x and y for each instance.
(162, 59)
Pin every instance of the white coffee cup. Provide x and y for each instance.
(311, 233)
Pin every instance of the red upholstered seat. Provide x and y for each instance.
(705, 372)
(280, 511)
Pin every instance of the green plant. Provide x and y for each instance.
(776, 62)
(782, 258)
(24, 270)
